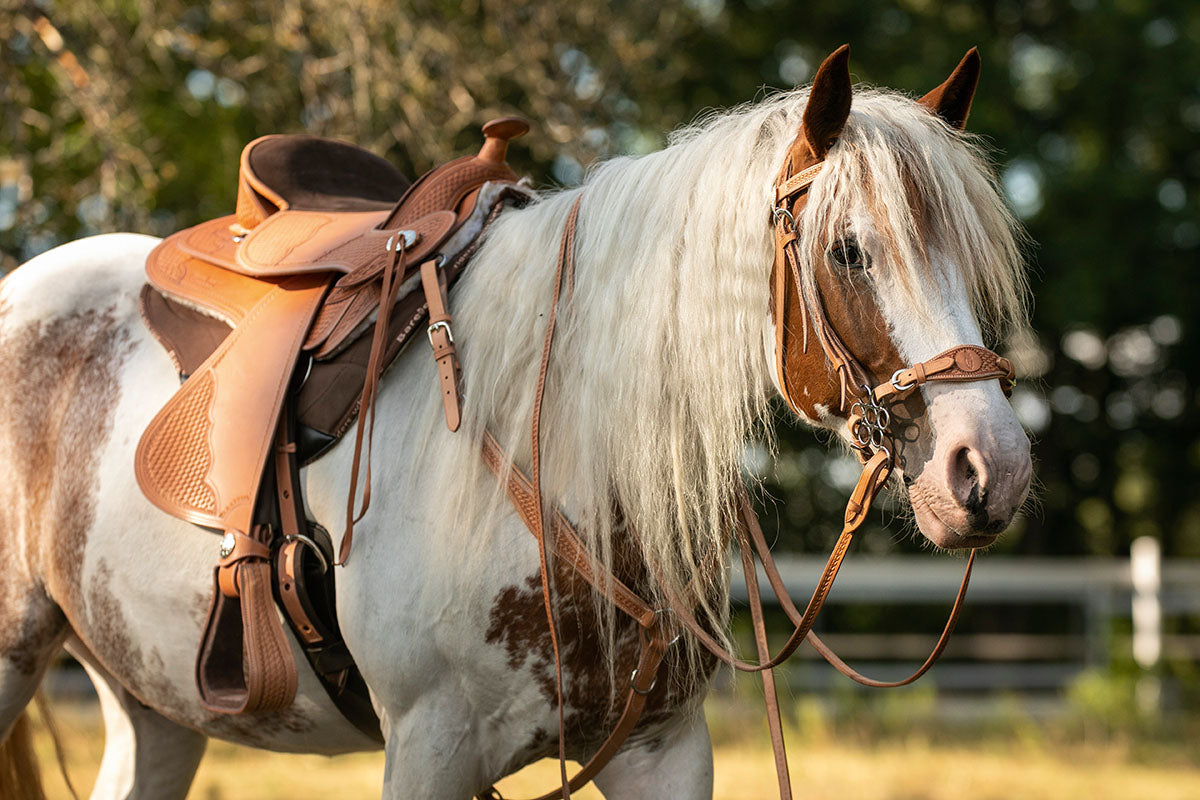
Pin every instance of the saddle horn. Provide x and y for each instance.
(497, 133)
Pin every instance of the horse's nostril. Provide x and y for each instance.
(962, 463)
(976, 503)
(995, 526)
(969, 480)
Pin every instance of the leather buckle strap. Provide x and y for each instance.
(441, 340)
(797, 183)
(964, 363)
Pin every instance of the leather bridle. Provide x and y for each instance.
(869, 424)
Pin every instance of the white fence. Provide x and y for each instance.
(1098, 590)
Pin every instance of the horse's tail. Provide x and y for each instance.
(20, 777)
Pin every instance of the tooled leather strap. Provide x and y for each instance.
(441, 339)
(566, 543)
(558, 537)
(568, 546)
(244, 663)
(964, 363)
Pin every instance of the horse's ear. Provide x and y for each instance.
(952, 100)
(828, 103)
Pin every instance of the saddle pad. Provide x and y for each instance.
(201, 458)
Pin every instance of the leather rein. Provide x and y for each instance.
(869, 426)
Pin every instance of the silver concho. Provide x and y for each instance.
(227, 544)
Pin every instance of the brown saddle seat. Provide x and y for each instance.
(311, 173)
(277, 296)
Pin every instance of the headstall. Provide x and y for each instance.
(869, 423)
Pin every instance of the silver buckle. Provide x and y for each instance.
(311, 545)
(896, 381)
(633, 684)
(444, 326)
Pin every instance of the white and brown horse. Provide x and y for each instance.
(664, 364)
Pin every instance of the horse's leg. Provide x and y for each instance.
(31, 628)
(145, 754)
(676, 764)
(430, 751)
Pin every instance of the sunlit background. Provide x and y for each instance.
(131, 116)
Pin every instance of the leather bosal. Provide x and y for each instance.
(869, 425)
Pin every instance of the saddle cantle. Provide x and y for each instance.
(266, 315)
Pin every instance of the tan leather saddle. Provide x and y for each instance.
(279, 319)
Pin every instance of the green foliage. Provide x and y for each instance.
(116, 115)
(1100, 700)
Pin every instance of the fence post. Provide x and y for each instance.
(1145, 570)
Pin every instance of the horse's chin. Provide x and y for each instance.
(941, 533)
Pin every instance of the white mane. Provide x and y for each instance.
(659, 373)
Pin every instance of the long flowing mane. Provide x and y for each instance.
(660, 370)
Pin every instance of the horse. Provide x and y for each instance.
(666, 361)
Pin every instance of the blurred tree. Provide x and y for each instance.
(119, 115)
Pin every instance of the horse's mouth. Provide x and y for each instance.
(945, 535)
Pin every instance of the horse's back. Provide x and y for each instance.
(93, 274)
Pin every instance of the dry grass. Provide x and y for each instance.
(825, 764)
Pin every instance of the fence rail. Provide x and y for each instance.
(1103, 589)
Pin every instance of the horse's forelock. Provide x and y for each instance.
(923, 186)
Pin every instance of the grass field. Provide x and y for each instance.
(842, 761)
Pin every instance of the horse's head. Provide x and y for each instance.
(892, 246)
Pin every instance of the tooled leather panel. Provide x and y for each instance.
(243, 384)
(176, 273)
(297, 242)
(174, 456)
(212, 241)
(279, 236)
(445, 187)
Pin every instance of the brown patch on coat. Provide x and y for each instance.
(58, 389)
(108, 639)
(144, 677)
(592, 705)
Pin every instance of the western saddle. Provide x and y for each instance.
(280, 320)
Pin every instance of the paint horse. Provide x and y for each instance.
(678, 332)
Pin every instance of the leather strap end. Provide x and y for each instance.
(874, 475)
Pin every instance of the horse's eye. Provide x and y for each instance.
(848, 255)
